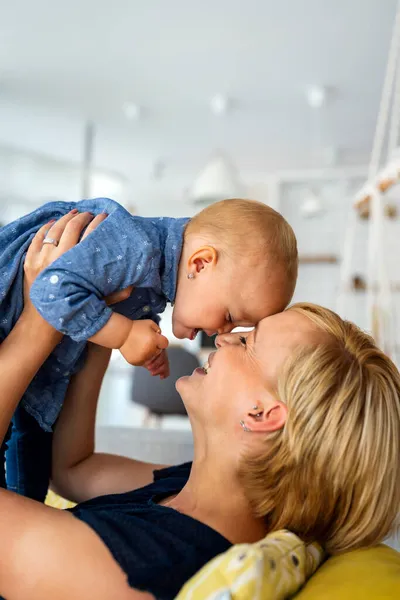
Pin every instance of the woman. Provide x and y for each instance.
(295, 425)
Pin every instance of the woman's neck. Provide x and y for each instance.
(214, 496)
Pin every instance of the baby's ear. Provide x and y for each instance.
(203, 257)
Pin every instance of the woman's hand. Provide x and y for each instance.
(67, 232)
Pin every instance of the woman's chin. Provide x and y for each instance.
(181, 384)
(192, 381)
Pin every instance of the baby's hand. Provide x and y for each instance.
(144, 343)
(159, 365)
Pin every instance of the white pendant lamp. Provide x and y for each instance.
(311, 206)
(218, 180)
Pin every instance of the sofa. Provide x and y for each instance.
(373, 573)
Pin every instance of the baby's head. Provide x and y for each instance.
(238, 265)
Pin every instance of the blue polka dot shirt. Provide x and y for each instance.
(123, 250)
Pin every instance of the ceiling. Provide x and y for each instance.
(64, 62)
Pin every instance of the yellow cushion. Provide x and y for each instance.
(273, 569)
(266, 570)
(359, 575)
(56, 501)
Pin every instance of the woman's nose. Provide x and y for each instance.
(226, 328)
(220, 341)
(226, 338)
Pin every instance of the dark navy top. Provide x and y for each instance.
(159, 548)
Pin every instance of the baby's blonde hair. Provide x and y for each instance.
(332, 474)
(251, 230)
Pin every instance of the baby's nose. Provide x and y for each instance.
(227, 328)
(210, 332)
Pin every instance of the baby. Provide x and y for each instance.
(231, 265)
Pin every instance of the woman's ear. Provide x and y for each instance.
(201, 258)
(272, 418)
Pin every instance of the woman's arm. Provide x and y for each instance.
(22, 354)
(49, 553)
(78, 473)
(32, 339)
(46, 553)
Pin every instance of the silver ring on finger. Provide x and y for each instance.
(49, 240)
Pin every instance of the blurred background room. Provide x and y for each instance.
(168, 106)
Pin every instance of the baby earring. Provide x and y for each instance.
(190, 276)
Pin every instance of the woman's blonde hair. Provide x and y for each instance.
(332, 474)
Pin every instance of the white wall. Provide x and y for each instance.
(28, 180)
(324, 234)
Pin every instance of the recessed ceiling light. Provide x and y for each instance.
(316, 96)
(220, 104)
(132, 111)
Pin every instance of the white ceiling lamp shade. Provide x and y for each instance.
(218, 180)
(220, 105)
(317, 96)
(132, 111)
(311, 205)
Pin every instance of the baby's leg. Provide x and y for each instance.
(28, 457)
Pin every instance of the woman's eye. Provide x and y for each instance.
(242, 340)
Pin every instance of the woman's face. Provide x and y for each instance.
(242, 372)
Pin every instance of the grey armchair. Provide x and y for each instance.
(160, 396)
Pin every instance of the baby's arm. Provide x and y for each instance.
(138, 341)
(69, 293)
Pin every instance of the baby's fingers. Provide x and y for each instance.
(159, 371)
(163, 371)
(155, 362)
(161, 341)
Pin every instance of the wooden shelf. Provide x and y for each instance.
(318, 259)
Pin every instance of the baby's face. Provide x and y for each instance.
(217, 300)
